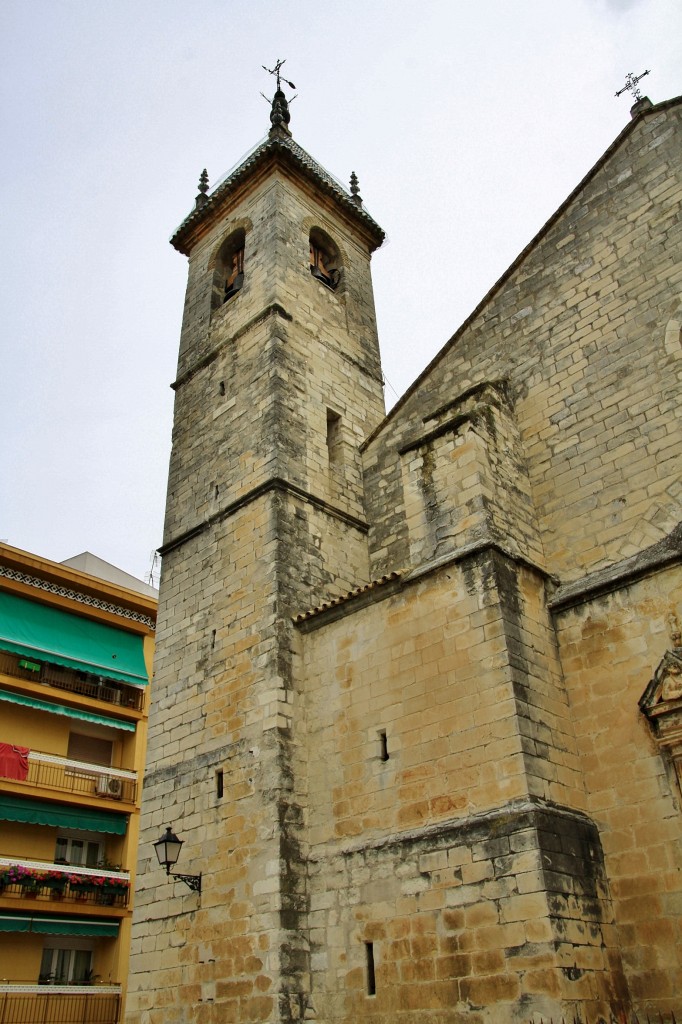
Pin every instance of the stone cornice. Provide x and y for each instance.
(273, 484)
(666, 552)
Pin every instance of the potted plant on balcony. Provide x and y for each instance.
(13, 874)
(109, 888)
(81, 885)
(55, 881)
(29, 879)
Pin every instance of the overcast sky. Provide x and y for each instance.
(467, 123)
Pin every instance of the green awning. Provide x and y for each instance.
(38, 631)
(43, 924)
(40, 812)
(64, 709)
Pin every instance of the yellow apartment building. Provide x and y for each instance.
(76, 648)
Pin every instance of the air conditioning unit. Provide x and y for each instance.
(106, 786)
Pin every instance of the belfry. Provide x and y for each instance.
(413, 712)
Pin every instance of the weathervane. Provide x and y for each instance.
(631, 85)
(279, 113)
(276, 71)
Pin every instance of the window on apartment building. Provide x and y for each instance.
(91, 749)
(78, 851)
(66, 962)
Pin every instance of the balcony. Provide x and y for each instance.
(62, 774)
(48, 882)
(60, 1004)
(75, 682)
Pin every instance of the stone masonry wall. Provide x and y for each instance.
(264, 515)
(610, 646)
(459, 670)
(465, 479)
(257, 377)
(580, 327)
(493, 919)
(191, 953)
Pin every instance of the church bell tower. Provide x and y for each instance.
(278, 382)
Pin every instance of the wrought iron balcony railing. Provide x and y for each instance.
(60, 1004)
(76, 682)
(48, 771)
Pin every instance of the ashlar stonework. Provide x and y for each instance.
(432, 657)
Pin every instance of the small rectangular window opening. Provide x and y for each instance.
(371, 978)
(383, 745)
(219, 783)
(333, 437)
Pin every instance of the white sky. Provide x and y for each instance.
(467, 123)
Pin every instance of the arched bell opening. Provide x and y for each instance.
(228, 276)
(325, 259)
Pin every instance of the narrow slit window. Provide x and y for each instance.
(333, 437)
(219, 782)
(383, 745)
(371, 977)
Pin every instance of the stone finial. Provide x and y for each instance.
(279, 115)
(355, 189)
(640, 106)
(202, 198)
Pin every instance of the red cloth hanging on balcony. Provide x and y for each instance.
(13, 762)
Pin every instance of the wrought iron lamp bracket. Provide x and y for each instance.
(193, 881)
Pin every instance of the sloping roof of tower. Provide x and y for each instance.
(275, 146)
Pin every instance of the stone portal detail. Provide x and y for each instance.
(661, 702)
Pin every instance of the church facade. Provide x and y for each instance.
(417, 710)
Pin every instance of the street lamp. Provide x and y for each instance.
(168, 850)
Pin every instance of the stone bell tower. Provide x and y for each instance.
(278, 382)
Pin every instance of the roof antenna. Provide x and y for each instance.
(153, 574)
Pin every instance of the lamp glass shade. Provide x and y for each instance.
(168, 849)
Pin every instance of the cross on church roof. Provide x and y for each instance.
(276, 71)
(279, 114)
(631, 85)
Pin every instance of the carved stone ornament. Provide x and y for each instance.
(661, 702)
(279, 115)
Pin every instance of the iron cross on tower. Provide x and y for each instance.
(276, 71)
(631, 85)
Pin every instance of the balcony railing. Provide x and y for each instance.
(60, 1004)
(76, 682)
(68, 776)
(39, 880)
